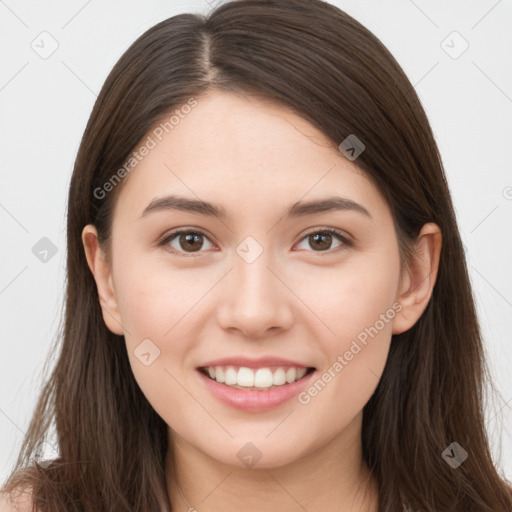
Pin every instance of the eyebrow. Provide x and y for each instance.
(298, 209)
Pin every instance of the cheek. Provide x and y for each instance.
(352, 297)
(154, 304)
(359, 311)
(154, 298)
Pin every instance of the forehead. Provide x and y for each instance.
(245, 151)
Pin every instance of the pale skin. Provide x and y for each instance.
(294, 301)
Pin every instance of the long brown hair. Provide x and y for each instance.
(315, 59)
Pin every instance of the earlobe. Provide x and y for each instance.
(419, 278)
(102, 274)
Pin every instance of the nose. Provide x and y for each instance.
(254, 299)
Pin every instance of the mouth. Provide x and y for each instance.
(255, 389)
(260, 379)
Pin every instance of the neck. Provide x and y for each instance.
(333, 478)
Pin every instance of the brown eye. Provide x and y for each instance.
(190, 241)
(185, 241)
(321, 241)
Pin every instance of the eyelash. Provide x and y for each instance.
(331, 231)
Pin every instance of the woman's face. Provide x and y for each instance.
(257, 288)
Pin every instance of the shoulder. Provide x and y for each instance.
(19, 501)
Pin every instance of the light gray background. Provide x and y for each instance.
(45, 104)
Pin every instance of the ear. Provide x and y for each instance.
(102, 273)
(418, 278)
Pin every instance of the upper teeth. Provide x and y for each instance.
(260, 378)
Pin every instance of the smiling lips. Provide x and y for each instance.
(263, 373)
(254, 384)
(262, 378)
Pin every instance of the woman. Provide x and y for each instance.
(319, 347)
